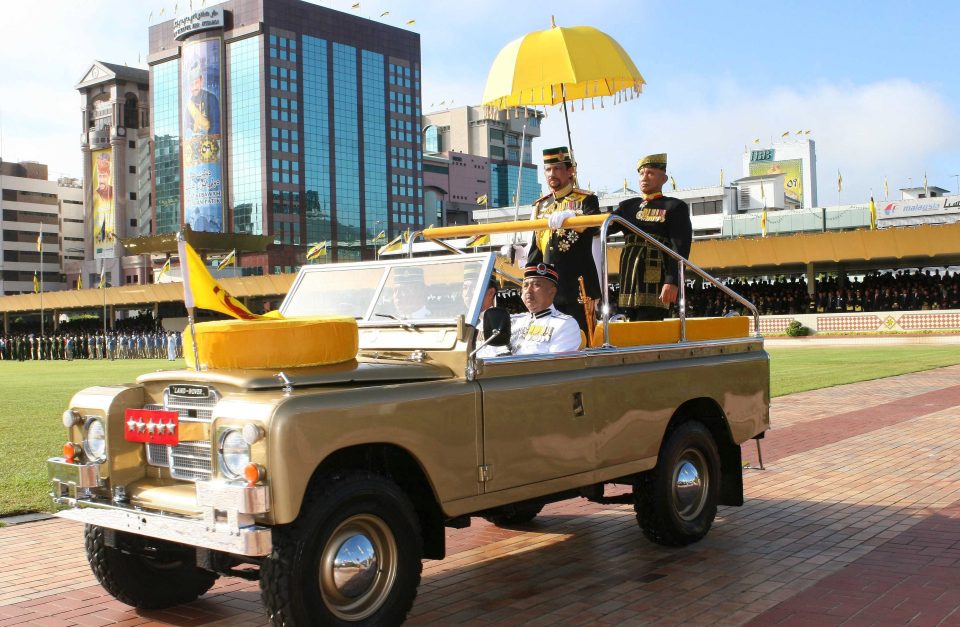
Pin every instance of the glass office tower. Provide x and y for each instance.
(287, 119)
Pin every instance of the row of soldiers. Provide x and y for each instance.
(149, 345)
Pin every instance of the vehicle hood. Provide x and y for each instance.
(361, 371)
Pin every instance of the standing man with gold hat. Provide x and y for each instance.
(649, 279)
(572, 251)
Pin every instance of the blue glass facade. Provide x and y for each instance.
(316, 139)
(347, 150)
(246, 188)
(166, 145)
(374, 145)
(503, 185)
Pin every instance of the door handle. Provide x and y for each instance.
(578, 404)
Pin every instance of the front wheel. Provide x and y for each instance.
(148, 574)
(352, 556)
(676, 502)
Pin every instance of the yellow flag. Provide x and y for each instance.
(478, 240)
(226, 261)
(756, 141)
(164, 269)
(36, 283)
(873, 214)
(763, 223)
(411, 22)
(382, 235)
(721, 177)
(786, 134)
(318, 250)
(201, 290)
(40, 242)
(624, 184)
(103, 276)
(385, 13)
(886, 189)
(673, 183)
(926, 188)
(392, 246)
(80, 281)
(355, 6)
(481, 200)
(839, 182)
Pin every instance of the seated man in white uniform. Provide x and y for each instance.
(542, 329)
(410, 293)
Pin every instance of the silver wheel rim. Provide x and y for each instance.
(358, 567)
(691, 484)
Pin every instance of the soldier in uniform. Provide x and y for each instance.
(649, 279)
(573, 252)
(542, 329)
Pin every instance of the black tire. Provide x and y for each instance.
(676, 502)
(512, 515)
(360, 511)
(146, 573)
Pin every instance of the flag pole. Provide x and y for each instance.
(103, 291)
(188, 298)
(40, 246)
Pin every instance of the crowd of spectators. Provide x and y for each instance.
(901, 290)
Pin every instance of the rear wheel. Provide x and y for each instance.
(352, 556)
(145, 573)
(676, 502)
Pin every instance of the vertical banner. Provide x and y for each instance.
(201, 139)
(103, 207)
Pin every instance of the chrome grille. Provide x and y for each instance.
(189, 461)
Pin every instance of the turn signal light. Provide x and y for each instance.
(253, 473)
(69, 452)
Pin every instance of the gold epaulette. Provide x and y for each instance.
(580, 193)
(542, 198)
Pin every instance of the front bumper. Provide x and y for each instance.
(228, 509)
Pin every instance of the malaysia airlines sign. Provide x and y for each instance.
(919, 207)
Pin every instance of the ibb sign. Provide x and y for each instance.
(204, 19)
(761, 155)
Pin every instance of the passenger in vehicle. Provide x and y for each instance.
(542, 329)
(470, 277)
(410, 293)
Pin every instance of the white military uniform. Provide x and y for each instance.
(546, 332)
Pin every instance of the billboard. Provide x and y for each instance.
(791, 168)
(103, 205)
(200, 133)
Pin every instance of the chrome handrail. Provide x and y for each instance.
(682, 301)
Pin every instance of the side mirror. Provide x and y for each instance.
(496, 326)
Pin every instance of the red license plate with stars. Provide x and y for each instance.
(152, 426)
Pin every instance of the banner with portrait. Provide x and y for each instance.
(103, 204)
(200, 134)
(792, 169)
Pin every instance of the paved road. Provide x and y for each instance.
(855, 521)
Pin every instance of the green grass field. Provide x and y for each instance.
(33, 395)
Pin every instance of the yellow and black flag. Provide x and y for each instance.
(36, 283)
(317, 250)
(226, 261)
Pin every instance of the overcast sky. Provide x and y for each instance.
(876, 83)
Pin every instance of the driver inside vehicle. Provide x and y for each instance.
(410, 294)
(542, 329)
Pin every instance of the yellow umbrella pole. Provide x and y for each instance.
(566, 119)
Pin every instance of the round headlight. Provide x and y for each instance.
(95, 440)
(234, 453)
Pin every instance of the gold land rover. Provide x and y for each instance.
(330, 483)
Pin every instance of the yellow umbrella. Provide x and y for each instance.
(560, 64)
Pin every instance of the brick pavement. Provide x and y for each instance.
(855, 521)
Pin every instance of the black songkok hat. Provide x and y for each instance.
(543, 271)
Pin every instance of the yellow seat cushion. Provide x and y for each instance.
(282, 343)
(668, 331)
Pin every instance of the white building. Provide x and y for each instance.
(29, 204)
(795, 159)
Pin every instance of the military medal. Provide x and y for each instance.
(643, 205)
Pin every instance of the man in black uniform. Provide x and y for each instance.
(649, 279)
(570, 251)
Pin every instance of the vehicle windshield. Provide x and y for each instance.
(416, 290)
